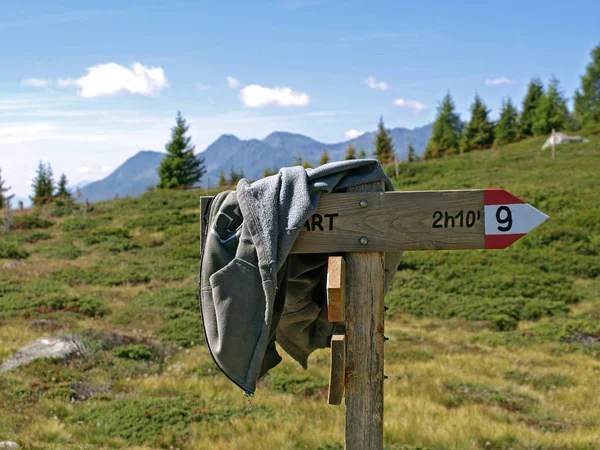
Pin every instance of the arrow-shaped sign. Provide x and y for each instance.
(425, 220)
(508, 218)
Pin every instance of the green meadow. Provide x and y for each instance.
(488, 349)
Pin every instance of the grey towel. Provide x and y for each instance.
(252, 292)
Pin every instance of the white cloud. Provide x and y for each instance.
(35, 82)
(351, 134)
(112, 78)
(233, 83)
(83, 169)
(414, 105)
(374, 84)
(498, 81)
(399, 122)
(19, 133)
(255, 96)
(202, 87)
(107, 169)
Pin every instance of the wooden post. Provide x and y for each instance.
(364, 344)
(396, 165)
(553, 143)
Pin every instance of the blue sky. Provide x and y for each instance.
(85, 85)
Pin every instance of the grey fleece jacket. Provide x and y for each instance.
(253, 293)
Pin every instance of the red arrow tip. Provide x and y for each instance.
(499, 197)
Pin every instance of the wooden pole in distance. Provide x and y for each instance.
(364, 344)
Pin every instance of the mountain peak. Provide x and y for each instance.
(278, 149)
(284, 138)
(226, 138)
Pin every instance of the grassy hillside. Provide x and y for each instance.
(487, 349)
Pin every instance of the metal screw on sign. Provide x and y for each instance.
(364, 240)
(363, 203)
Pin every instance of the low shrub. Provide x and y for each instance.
(137, 352)
(30, 221)
(11, 250)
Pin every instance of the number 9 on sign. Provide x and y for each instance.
(504, 218)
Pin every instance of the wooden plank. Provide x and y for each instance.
(365, 272)
(337, 369)
(395, 221)
(336, 289)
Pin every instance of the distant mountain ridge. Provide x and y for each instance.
(278, 149)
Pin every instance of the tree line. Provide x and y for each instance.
(45, 189)
(542, 110)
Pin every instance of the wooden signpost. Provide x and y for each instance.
(364, 224)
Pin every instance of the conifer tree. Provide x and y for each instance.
(222, 179)
(298, 159)
(307, 165)
(362, 154)
(552, 112)
(235, 176)
(268, 172)
(507, 128)
(384, 147)
(180, 167)
(531, 102)
(324, 158)
(350, 152)
(4, 197)
(445, 136)
(43, 184)
(411, 155)
(587, 98)
(479, 132)
(63, 191)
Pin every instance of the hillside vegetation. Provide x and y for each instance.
(487, 349)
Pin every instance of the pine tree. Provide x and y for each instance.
(235, 176)
(324, 158)
(384, 147)
(307, 165)
(4, 198)
(479, 132)
(587, 98)
(445, 136)
(552, 112)
(531, 102)
(222, 179)
(411, 155)
(180, 167)
(362, 154)
(50, 185)
(298, 159)
(350, 152)
(43, 184)
(507, 128)
(63, 191)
